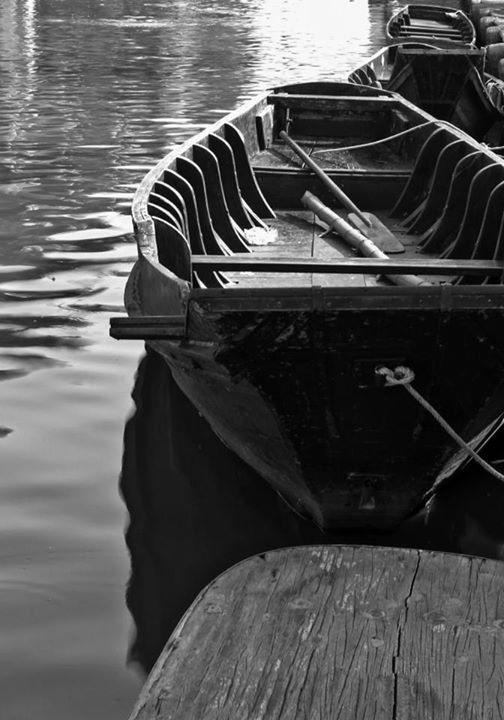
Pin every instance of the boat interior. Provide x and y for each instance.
(227, 208)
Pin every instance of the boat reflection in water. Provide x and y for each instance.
(196, 509)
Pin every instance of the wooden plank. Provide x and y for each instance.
(147, 327)
(284, 186)
(434, 52)
(337, 632)
(433, 298)
(425, 266)
(351, 103)
(434, 28)
(459, 603)
(445, 298)
(414, 30)
(330, 248)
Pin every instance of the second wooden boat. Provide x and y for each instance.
(446, 82)
(280, 335)
(425, 23)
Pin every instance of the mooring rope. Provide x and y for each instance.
(404, 376)
(382, 140)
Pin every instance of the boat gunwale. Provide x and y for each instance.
(435, 297)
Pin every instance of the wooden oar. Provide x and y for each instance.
(368, 224)
(356, 239)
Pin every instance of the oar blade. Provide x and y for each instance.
(377, 232)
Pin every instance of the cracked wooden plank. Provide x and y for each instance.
(337, 632)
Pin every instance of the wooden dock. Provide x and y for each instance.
(332, 631)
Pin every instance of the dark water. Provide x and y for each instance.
(92, 94)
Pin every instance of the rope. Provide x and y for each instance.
(382, 140)
(404, 376)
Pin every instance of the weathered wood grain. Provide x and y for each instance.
(338, 632)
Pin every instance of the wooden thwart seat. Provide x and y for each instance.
(422, 30)
(327, 102)
(251, 263)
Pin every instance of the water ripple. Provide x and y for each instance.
(44, 289)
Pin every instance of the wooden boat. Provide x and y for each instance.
(279, 335)
(448, 83)
(425, 23)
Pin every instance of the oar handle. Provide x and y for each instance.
(355, 238)
(336, 191)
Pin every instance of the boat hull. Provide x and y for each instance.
(296, 396)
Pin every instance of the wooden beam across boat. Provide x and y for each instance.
(333, 631)
(434, 28)
(426, 31)
(328, 102)
(427, 266)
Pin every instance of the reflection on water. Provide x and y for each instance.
(195, 509)
(93, 92)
